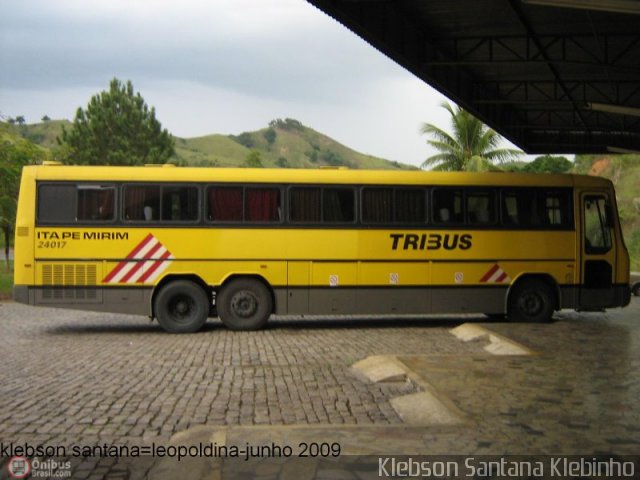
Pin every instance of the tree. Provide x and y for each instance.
(282, 162)
(46, 118)
(270, 135)
(286, 124)
(20, 120)
(253, 160)
(117, 128)
(245, 139)
(14, 154)
(472, 146)
(548, 164)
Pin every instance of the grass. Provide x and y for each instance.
(6, 279)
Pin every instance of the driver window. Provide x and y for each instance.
(597, 234)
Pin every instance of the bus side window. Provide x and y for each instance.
(225, 204)
(377, 205)
(96, 202)
(410, 206)
(480, 207)
(338, 205)
(510, 209)
(262, 204)
(555, 207)
(519, 208)
(552, 209)
(447, 205)
(179, 204)
(57, 203)
(304, 204)
(140, 201)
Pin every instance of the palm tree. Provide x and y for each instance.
(472, 146)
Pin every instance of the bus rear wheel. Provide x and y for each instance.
(181, 307)
(244, 304)
(532, 300)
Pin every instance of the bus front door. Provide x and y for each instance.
(598, 254)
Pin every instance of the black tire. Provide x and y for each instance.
(635, 289)
(181, 306)
(531, 300)
(244, 304)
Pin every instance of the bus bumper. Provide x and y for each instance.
(624, 293)
(21, 294)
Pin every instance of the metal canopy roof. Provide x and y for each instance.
(552, 76)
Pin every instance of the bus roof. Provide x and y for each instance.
(305, 176)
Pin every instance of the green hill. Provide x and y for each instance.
(211, 150)
(624, 172)
(43, 134)
(284, 143)
(17, 136)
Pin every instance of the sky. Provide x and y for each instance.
(214, 66)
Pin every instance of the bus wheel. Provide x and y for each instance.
(244, 304)
(181, 307)
(531, 300)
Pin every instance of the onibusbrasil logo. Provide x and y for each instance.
(22, 467)
(19, 467)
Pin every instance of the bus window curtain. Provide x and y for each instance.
(262, 205)
(134, 203)
(410, 206)
(107, 203)
(331, 206)
(305, 204)
(95, 203)
(225, 204)
(377, 205)
(86, 208)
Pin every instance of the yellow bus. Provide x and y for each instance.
(182, 244)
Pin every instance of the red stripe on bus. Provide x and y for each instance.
(122, 264)
(488, 275)
(501, 277)
(141, 262)
(154, 267)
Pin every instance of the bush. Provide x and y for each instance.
(548, 164)
(245, 139)
(270, 135)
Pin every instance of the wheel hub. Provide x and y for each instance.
(244, 304)
(531, 304)
(180, 308)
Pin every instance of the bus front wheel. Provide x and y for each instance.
(244, 304)
(181, 307)
(532, 300)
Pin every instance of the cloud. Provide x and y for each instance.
(278, 49)
(213, 66)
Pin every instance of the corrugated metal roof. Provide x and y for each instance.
(551, 79)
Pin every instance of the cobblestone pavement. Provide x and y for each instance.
(69, 378)
(78, 378)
